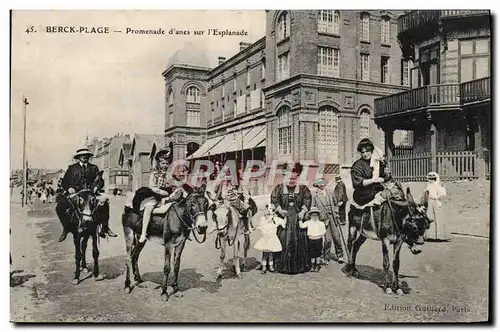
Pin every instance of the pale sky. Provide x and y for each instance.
(100, 85)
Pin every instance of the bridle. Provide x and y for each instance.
(192, 218)
(222, 232)
(76, 213)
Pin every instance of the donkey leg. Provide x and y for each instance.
(223, 244)
(355, 249)
(95, 255)
(236, 252)
(84, 243)
(387, 264)
(135, 261)
(166, 271)
(177, 265)
(78, 257)
(129, 240)
(395, 267)
(246, 246)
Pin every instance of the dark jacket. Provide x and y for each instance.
(78, 177)
(360, 171)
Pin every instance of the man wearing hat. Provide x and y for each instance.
(81, 175)
(324, 199)
(340, 193)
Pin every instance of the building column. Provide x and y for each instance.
(434, 140)
(179, 152)
(480, 164)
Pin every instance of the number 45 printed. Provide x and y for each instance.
(30, 29)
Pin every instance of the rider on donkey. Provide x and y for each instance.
(167, 189)
(228, 192)
(81, 175)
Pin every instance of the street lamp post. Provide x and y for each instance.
(25, 169)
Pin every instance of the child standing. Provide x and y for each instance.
(269, 242)
(316, 231)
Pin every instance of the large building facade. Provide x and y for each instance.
(447, 62)
(304, 91)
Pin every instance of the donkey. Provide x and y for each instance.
(230, 231)
(84, 222)
(395, 222)
(173, 228)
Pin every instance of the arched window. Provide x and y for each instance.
(193, 95)
(364, 124)
(385, 30)
(328, 21)
(283, 26)
(328, 142)
(365, 27)
(284, 131)
(170, 97)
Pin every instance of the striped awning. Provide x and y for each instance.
(222, 145)
(256, 139)
(203, 150)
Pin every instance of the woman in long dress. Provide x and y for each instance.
(292, 202)
(432, 198)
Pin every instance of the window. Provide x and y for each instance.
(385, 31)
(384, 70)
(170, 97)
(193, 95)
(365, 67)
(234, 84)
(193, 118)
(405, 72)
(235, 107)
(328, 21)
(283, 67)
(364, 124)
(328, 61)
(365, 27)
(248, 77)
(328, 144)
(262, 99)
(212, 115)
(223, 88)
(263, 70)
(283, 26)
(284, 131)
(474, 59)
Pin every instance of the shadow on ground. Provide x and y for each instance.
(377, 276)
(188, 279)
(19, 280)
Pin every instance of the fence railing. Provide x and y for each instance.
(476, 90)
(417, 18)
(413, 167)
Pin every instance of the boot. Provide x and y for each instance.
(63, 236)
(105, 230)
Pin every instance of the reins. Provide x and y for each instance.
(191, 228)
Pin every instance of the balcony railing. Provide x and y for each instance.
(475, 91)
(426, 96)
(417, 18)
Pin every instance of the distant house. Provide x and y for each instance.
(125, 162)
(160, 143)
(107, 157)
(141, 161)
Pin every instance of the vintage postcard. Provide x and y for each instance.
(250, 166)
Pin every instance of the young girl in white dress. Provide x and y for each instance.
(269, 242)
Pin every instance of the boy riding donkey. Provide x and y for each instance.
(79, 176)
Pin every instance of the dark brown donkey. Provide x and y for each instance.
(395, 222)
(173, 228)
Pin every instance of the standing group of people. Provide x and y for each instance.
(299, 225)
(42, 191)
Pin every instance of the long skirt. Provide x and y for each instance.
(294, 257)
(438, 229)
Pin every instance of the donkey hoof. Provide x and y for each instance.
(99, 277)
(399, 292)
(239, 276)
(388, 290)
(85, 270)
(164, 297)
(76, 281)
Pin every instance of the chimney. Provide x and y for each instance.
(244, 45)
(221, 59)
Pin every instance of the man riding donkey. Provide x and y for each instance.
(163, 190)
(232, 193)
(81, 175)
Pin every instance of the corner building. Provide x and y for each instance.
(305, 91)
